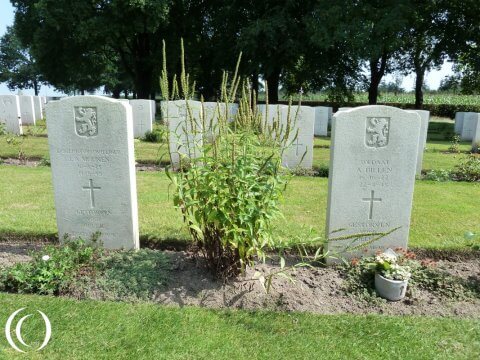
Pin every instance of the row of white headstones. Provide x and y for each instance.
(19, 110)
(306, 122)
(467, 126)
(373, 161)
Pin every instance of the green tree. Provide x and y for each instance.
(75, 42)
(17, 67)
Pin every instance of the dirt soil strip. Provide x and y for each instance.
(318, 290)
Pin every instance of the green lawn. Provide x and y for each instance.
(101, 330)
(36, 147)
(442, 212)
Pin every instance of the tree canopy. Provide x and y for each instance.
(295, 45)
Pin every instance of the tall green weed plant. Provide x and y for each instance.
(229, 192)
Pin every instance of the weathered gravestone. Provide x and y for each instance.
(37, 106)
(422, 140)
(142, 117)
(372, 173)
(299, 153)
(10, 114)
(322, 116)
(459, 122)
(93, 167)
(469, 125)
(27, 109)
(185, 130)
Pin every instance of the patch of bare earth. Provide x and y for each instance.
(320, 290)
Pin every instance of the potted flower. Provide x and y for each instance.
(391, 276)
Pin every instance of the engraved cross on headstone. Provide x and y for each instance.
(371, 200)
(297, 144)
(92, 189)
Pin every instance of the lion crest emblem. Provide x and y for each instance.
(377, 132)
(86, 121)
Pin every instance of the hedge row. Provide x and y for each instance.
(440, 110)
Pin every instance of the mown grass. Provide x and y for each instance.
(105, 330)
(442, 212)
(436, 156)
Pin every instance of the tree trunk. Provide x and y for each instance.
(116, 93)
(377, 70)
(143, 67)
(82, 92)
(35, 87)
(273, 81)
(420, 72)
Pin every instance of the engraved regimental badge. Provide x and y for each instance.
(377, 130)
(86, 121)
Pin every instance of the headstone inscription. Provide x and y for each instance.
(372, 173)
(93, 169)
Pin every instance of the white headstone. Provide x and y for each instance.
(476, 131)
(43, 102)
(372, 174)
(154, 108)
(93, 167)
(322, 115)
(37, 105)
(299, 153)
(469, 124)
(459, 122)
(10, 114)
(142, 117)
(422, 140)
(27, 109)
(185, 131)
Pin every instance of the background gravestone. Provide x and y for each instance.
(93, 168)
(422, 140)
(10, 114)
(185, 131)
(476, 132)
(459, 122)
(322, 115)
(142, 117)
(299, 153)
(469, 125)
(372, 174)
(27, 110)
(37, 106)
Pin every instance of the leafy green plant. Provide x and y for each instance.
(468, 169)
(155, 136)
(454, 145)
(45, 161)
(3, 129)
(473, 240)
(438, 175)
(51, 269)
(229, 194)
(123, 275)
(17, 142)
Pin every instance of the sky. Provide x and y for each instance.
(433, 78)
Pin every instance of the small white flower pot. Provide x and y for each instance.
(392, 290)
